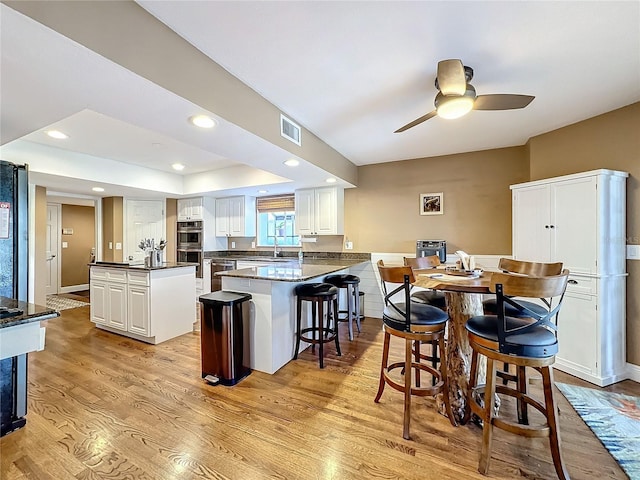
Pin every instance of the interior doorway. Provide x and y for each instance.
(52, 246)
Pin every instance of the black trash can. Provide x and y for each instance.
(224, 337)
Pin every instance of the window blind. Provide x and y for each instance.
(276, 203)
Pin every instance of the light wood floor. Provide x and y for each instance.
(103, 406)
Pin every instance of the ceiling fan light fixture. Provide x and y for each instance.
(455, 106)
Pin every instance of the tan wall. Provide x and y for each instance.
(74, 259)
(382, 214)
(608, 141)
(172, 234)
(112, 228)
(40, 233)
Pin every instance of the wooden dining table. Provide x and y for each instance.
(463, 294)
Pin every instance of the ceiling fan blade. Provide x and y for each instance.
(451, 77)
(502, 102)
(417, 121)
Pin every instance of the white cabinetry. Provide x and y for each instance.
(190, 209)
(579, 220)
(236, 217)
(320, 211)
(148, 305)
(108, 290)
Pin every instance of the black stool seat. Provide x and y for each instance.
(536, 342)
(420, 315)
(430, 297)
(490, 307)
(315, 289)
(342, 279)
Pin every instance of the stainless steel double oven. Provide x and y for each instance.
(190, 244)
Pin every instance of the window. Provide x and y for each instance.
(277, 221)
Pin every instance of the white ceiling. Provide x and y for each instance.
(350, 72)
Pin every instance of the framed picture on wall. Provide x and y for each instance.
(431, 204)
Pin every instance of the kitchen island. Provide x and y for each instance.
(273, 305)
(150, 304)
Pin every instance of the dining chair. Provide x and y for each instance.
(520, 267)
(414, 323)
(526, 341)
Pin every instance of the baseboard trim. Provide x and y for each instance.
(633, 372)
(74, 288)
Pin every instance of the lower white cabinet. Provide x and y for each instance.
(138, 309)
(151, 305)
(591, 329)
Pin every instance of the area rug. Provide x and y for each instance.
(63, 303)
(615, 420)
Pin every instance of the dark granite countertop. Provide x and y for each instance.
(30, 312)
(329, 258)
(128, 266)
(292, 271)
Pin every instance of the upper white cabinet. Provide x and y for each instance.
(236, 217)
(580, 220)
(575, 219)
(192, 208)
(320, 211)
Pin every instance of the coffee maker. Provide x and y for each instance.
(426, 248)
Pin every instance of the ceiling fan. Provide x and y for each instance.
(456, 96)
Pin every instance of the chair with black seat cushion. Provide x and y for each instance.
(428, 297)
(352, 285)
(414, 323)
(520, 267)
(528, 340)
(318, 294)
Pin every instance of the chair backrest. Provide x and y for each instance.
(429, 261)
(534, 269)
(402, 277)
(549, 289)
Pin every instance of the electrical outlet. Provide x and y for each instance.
(233, 244)
(348, 246)
(253, 244)
(633, 252)
(118, 246)
(110, 245)
(65, 245)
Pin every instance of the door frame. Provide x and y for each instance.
(58, 252)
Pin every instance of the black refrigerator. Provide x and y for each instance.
(14, 219)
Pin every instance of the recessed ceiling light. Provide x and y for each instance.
(330, 180)
(203, 121)
(263, 191)
(177, 166)
(292, 162)
(98, 189)
(57, 134)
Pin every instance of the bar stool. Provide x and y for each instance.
(352, 284)
(317, 294)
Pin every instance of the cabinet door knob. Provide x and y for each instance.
(552, 226)
(546, 226)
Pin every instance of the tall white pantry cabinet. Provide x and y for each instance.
(580, 220)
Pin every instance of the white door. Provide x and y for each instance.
(52, 248)
(305, 212)
(145, 219)
(325, 211)
(574, 213)
(532, 224)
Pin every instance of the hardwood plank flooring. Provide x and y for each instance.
(102, 406)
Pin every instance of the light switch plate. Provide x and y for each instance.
(233, 244)
(633, 252)
(118, 246)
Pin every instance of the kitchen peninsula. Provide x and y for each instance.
(150, 304)
(272, 323)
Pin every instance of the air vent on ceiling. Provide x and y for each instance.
(290, 130)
